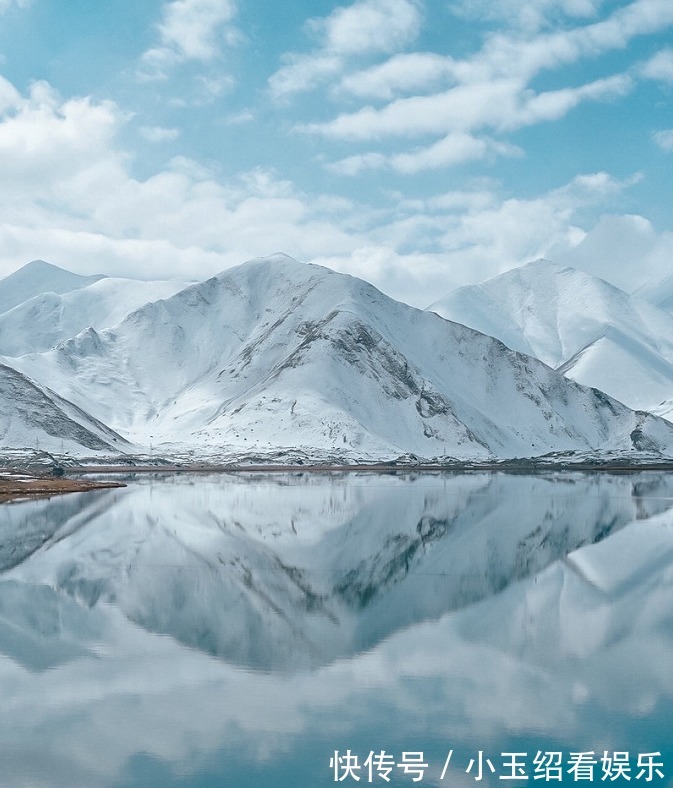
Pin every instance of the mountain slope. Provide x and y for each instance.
(32, 417)
(39, 277)
(586, 328)
(41, 322)
(276, 353)
(658, 293)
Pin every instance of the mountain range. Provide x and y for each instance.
(580, 325)
(281, 355)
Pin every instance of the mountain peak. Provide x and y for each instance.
(277, 258)
(280, 257)
(580, 324)
(548, 268)
(39, 277)
(544, 264)
(43, 267)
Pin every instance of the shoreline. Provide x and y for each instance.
(22, 487)
(19, 485)
(506, 466)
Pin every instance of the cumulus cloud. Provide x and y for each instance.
(70, 197)
(44, 138)
(366, 27)
(190, 30)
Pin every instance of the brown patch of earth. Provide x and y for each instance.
(17, 486)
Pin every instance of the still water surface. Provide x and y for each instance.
(237, 631)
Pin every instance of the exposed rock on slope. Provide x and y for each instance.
(34, 417)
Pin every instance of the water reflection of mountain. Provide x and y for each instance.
(575, 657)
(285, 573)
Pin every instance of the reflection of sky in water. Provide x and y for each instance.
(219, 630)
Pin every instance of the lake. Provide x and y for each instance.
(274, 630)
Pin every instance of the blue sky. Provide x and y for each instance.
(420, 144)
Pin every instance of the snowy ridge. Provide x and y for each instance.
(659, 293)
(36, 278)
(42, 321)
(277, 353)
(585, 327)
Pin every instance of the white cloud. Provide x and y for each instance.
(660, 66)
(158, 134)
(454, 148)
(463, 107)
(44, 139)
(68, 196)
(369, 26)
(239, 118)
(664, 139)
(9, 95)
(366, 27)
(528, 15)
(502, 56)
(456, 100)
(500, 104)
(555, 104)
(354, 165)
(190, 30)
(399, 74)
(304, 72)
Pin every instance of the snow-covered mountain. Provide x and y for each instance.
(583, 326)
(33, 417)
(659, 293)
(277, 353)
(36, 278)
(53, 313)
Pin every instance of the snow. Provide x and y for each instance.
(659, 293)
(36, 278)
(41, 322)
(280, 354)
(586, 328)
